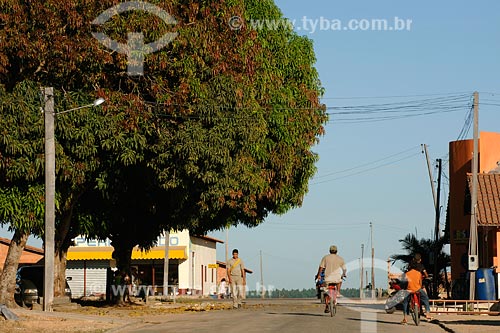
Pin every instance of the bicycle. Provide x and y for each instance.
(330, 297)
(415, 307)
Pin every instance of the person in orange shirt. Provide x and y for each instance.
(414, 278)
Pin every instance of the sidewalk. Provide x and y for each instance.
(468, 323)
(453, 323)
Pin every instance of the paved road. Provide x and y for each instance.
(285, 316)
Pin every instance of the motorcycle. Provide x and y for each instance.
(396, 297)
(395, 300)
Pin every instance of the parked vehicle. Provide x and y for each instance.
(29, 285)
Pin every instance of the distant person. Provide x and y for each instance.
(237, 278)
(222, 288)
(127, 282)
(414, 278)
(335, 270)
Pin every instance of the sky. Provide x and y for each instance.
(374, 171)
(452, 48)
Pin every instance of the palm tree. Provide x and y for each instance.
(425, 247)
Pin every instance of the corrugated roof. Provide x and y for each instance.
(488, 199)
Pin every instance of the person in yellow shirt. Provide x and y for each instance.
(414, 278)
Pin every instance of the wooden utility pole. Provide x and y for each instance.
(430, 174)
(436, 230)
(50, 193)
(373, 260)
(473, 250)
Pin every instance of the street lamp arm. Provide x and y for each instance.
(97, 102)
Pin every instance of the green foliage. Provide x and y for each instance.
(21, 164)
(220, 126)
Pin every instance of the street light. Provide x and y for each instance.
(50, 191)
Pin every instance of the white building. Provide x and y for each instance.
(192, 265)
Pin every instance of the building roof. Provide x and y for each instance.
(208, 238)
(488, 199)
(27, 248)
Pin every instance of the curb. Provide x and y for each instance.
(443, 326)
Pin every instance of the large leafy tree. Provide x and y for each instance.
(220, 125)
(21, 193)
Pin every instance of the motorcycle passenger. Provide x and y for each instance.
(335, 270)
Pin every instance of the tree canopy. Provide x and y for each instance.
(220, 126)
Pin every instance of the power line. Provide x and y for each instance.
(366, 164)
(363, 171)
(397, 96)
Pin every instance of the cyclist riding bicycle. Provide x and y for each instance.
(335, 269)
(414, 278)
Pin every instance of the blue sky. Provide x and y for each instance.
(452, 47)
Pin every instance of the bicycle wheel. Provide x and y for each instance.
(332, 306)
(415, 312)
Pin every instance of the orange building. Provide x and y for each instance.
(31, 255)
(488, 204)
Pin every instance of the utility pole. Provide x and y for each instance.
(362, 270)
(373, 260)
(473, 250)
(165, 264)
(436, 229)
(430, 174)
(50, 193)
(261, 277)
(227, 245)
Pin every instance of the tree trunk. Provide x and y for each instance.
(8, 277)
(60, 273)
(122, 253)
(62, 244)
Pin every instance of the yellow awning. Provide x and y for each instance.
(104, 253)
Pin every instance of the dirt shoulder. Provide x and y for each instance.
(94, 317)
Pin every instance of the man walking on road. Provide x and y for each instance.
(236, 277)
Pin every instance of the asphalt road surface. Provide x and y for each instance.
(285, 316)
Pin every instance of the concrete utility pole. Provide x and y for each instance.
(436, 229)
(165, 264)
(227, 244)
(263, 293)
(362, 271)
(473, 250)
(50, 193)
(373, 260)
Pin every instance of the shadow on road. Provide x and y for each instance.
(297, 314)
(375, 321)
(474, 322)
